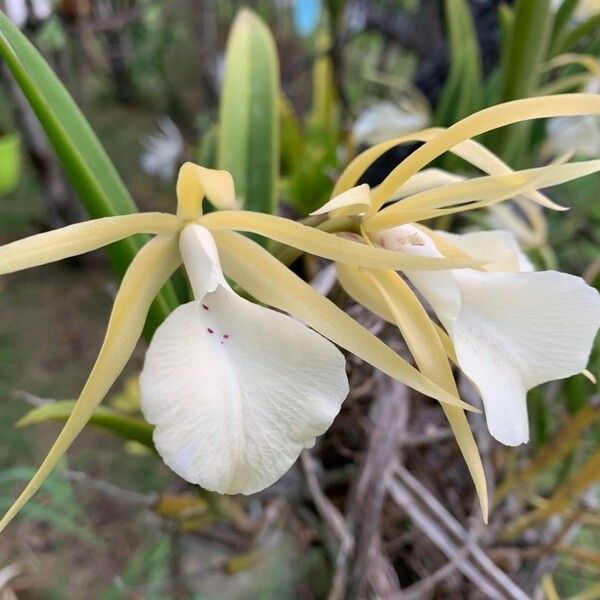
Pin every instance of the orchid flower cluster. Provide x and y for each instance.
(236, 389)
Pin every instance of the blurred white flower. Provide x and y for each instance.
(580, 135)
(384, 121)
(163, 150)
(18, 10)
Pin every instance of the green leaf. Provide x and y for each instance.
(522, 56)
(92, 174)
(315, 149)
(10, 162)
(249, 113)
(564, 14)
(463, 90)
(291, 136)
(588, 28)
(324, 115)
(129, 428)
(207, 150)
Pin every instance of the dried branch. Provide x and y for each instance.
(340, 540)
(390, 414)
(114, 492)
(428, 514)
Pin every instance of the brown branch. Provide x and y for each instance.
(390, 414)
(340, 539)
(430, 516)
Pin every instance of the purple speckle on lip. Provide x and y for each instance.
(209, 330)
(226, 336)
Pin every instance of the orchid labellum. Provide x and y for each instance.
(236, 390)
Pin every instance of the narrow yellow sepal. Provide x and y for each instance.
(426, 347)
(148, 272)
(80, 238)
(326, 245)
(352, 280)
(470, 150)
(481, 122)
(475, 193)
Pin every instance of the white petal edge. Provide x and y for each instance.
(499, 247)
(518, 330)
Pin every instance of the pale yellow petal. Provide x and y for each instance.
(148, 272)
(353, 280)
(425, 180)
(589, 376)
(326, 245)
(351, 202)
(79, 238)
(588, 61)
(481, 122)
(470, 150)
(476, 188)
(195, 182)
(269, 281)
(475, 193)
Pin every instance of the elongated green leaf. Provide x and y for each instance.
(588, 28)
(324, 94)
(87, 165)
(462, 93)
(561, 22)
(311, 182)
(249, 113)
(520, 69)
(122, 425)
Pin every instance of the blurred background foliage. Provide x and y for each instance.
(283, 94)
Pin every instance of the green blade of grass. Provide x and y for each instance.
(125, 426)
(462, 93)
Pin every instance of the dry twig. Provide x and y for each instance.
(428, 514)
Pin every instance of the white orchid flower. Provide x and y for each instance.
(512, 329)
(235, 390)
(579, 135)
(501, 319)
(385, 120)
(410, 194)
